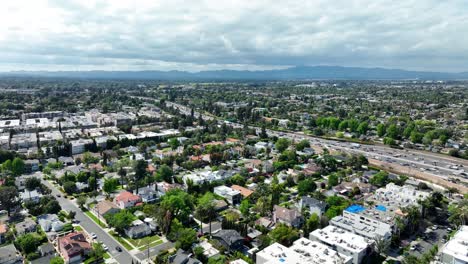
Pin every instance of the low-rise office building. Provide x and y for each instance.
(343, 242)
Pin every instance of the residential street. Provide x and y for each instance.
(123, 257)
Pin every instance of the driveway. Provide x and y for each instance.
(90, 226)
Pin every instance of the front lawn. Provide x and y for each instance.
(78, 228)
(142, 243)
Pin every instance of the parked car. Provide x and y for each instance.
(93, 235)
(119, 249)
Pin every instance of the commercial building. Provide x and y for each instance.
(371, 223)
(344, 242)
(455, 251)
(302, 251)
(79, 146)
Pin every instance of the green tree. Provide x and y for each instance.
(110, 185)
(459, 212)
(205, 209)
(140, 172)
(98, 251)
(120, 220)
(282, 144)
(362, 128)
(8, 198)
(306, 186)
(178, 204)
(28, 243)
(312, 223)
(245, 207)
(70, 187)
(303, 144)
(174, 143)
(381, 130)
(17, 166)
(380, 179)
(284, 234)
(416, 137)
(393, 131)
(185, 238)
(165, 172)
(333, 180)
(32, 183)
(81, 201)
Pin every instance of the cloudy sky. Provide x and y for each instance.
(253, 34)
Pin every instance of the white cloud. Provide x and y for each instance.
(196, 35)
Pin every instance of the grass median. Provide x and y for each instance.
(120, 240)
(95, 219)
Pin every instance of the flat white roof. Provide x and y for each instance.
(302, 251)
(332, 235)
(9, 123)
(458, 245)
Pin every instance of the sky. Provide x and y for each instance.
(430, 35)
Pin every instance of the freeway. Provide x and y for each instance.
(90, 226)
(437, 165)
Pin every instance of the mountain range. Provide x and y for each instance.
(293, 73)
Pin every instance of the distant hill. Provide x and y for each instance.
(294, 73)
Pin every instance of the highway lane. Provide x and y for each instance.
(438, 165)
(90, 226)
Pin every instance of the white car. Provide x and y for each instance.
(93, 235)
(105, 247)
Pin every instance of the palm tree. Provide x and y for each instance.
(459, 213)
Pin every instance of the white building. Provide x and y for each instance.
(399, 196)
(455, 251)
(231, 195)
(344, 242)
(302, 251)
(79, 146)
(371, 223)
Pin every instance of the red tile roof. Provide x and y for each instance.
(126, 196)
(244, 191)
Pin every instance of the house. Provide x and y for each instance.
(20, 181)
(105, 207)
(27, 226)
(243, 191)
(30, 196)
(229, 238)
(3, 232)
(9, 255)
(148, 194)
(138, 231)
(313, 205)
(67, 161)
(31, 165)
(220, 205)
(50, 222)
(46, 249)
(73, 247)
(231, 195)
(290, 217)
(126, 199)
(180, 257)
